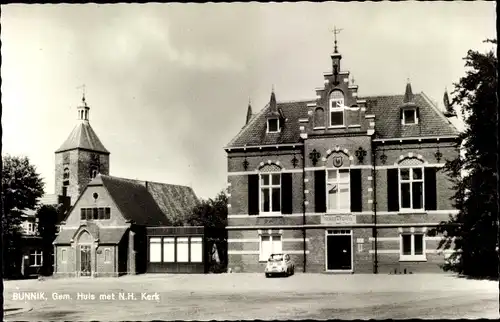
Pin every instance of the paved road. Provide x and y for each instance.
(252, 296)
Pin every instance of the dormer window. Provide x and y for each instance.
(273, 125)
(409, 116)
(337, 108)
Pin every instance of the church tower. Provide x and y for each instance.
(80, 158)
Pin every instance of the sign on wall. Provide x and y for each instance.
(341, 219)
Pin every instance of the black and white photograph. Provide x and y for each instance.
(249, 161)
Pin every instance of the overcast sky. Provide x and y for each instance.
(168, 84)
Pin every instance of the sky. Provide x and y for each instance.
(168, 85)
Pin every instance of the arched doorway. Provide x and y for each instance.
(84, 253)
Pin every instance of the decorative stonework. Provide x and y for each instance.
(314, 156)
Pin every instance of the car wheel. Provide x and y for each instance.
(268, 275)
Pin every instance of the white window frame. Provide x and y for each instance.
(264, 257)
(278, 124)
(412, 257)
(37, 254)
(157, 242)
(403, 119)
(198, 241)
(182, 243)
(411, 181)
(336, 105)
(170, 251)
(337, 181)
(270, 186)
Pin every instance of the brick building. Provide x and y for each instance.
(105, 233)
(342, 183)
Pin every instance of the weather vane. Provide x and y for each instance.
(83, 92)
(335, 33)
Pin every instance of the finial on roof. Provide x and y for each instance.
(335, 32)
(83, 94)
(249, 111)
(272, 101)
(408, 93)
(449, 111)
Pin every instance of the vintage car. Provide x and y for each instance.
(279, 264)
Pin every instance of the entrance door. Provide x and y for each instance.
(338, 250)
(85, 268)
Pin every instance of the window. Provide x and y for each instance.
(273, 125)
(409, 116)
(30, 228)
(196, 250)
(411, 182)
(169, 249)
(412, 247)
(107, 255)
(337, 187)
(93, 172)
(36, 258)
(95, 213)
(269, 244)
(64, 191)
(336, 108)
(270, 197)
(66, 174)
(64, 256)
(183, 249)
(155, 250)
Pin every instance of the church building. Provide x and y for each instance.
(342, 183)
(105, 233)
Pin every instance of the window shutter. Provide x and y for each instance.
(400, 114)
(417, 112)
(253, 194)
(356, 192)
(320, 191)
(286, 193)
(392, 190)
(430, 193)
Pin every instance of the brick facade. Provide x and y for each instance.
(371, 143)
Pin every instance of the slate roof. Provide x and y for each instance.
(254, 133)
(432, 122)
(387, 121)
(83, 137)
(133, 200)
(149, 203)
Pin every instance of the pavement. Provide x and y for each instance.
(252, 296)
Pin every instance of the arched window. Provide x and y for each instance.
(66, 174)
(270, 189)
(411, 184)
(319, 118)
(93, 172)
(336, 108)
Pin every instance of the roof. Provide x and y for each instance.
(254, 133)
(83, 137)
(149, 203)
(104, 234)
(134, 201)
(387, 121)
(174, 200)
(432, 122)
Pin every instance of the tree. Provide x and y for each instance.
(21, 189)
(212, 214)
(47, 216)
(473, 232)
